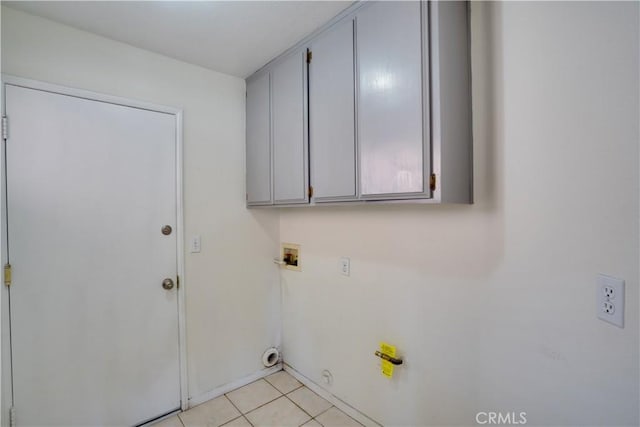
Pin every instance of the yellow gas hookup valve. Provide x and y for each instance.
(387, 353)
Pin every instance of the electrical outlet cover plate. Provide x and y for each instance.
(345, 266)
(610, 300)
(195, 245)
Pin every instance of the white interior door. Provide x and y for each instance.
(94, 333)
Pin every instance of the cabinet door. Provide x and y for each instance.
(390, 107)
(332, 115)
(258, 142)
(288, 100)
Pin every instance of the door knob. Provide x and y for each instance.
(167, 284)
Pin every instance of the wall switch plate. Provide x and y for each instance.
(345, 266)
(195, 244)
(610, 300)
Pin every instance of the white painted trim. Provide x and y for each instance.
(177, 112)
(5, 366)
(87, 94)
(182, 314)
(219, 391)
(336, 401)
(435, 136)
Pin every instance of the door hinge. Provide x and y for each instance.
(432, 182)
(310, 191)
(12, 416)
(309, 56)
(5, 128)
(7, 274)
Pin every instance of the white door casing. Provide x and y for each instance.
(95, 337)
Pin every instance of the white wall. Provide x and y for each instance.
(232, 293)
(493, 305)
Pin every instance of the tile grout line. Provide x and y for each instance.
(264, 404)
(243, 415)
(290, 391)
(337, 402)
(237, 409)
(332, 406)
(257, 407)
(338, 409)
(232, 404)
(247, 420)
(180, 418)
(301, 408)
(236, 418)
(312, 417)
(286, 395)
(297, 388)
(221, 425)
(271, 401)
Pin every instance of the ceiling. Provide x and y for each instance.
(233, 37)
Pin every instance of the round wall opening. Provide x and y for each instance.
(270, 357)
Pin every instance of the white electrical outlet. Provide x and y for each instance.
(195, 244)
(609, 292)
(608, 308)
(610, 300)
(345, 266)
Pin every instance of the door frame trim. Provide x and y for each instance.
(6, 381)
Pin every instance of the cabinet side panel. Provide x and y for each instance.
(258, 142)
(390, 98)
(289, 139)
(455, 101)
(331, 114)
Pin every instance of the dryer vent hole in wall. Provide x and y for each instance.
(270, 357)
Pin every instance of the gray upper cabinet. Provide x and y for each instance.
(393, 150)
(290, 154)
(277, 149)
(382, 112)
(450, 65)
(332, 115)
(258, 142)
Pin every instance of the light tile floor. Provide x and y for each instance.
(278, 400)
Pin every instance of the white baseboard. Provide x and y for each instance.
(337, 402)
(219, 391)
